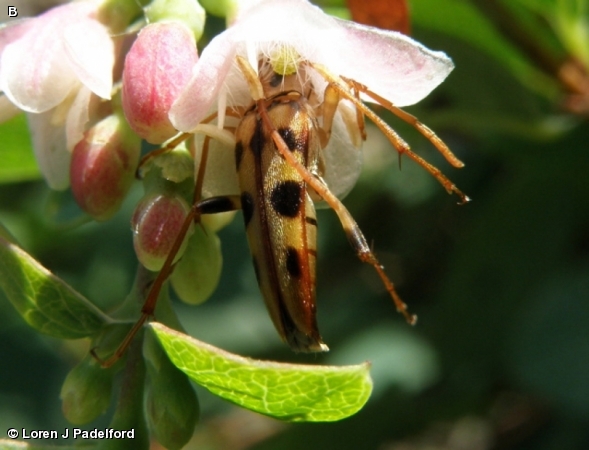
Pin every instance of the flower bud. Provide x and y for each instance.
(197, 274)
(187, 12)
(157, 67)
(216, 222)
(224, 8)
(171, 405)
(103, 167)
(86, 391)
(129, 413)
(156, 223)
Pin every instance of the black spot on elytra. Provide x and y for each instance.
(286, 198)
(258, 140)
(293, 264)
(238, 154)
(292, 141)
(311, 221)
(247, 206)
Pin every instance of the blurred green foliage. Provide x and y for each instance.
(500, 355)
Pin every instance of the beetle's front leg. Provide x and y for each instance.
(352, 116)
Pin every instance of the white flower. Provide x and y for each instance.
(49, 66)
(390, 64)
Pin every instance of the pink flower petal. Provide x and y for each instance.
(35, 75)
(394, 66)
(90, 51)
(11, 31)
(201, 93)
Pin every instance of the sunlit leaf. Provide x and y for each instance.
(572, 25)
(296, 393)
(46, 302)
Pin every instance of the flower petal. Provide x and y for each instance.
(201, 92)
(342, 160)
(11, 31)
(50, 149)
(220, 177)
(389, 63)
(394, 66)
(77, 117)
(36, 75)
(90, 51)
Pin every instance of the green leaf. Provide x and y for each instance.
(460, 19)
(572, 25)
(296, 393)
(16, 153)
(46, 302)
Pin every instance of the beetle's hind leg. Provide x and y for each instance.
(343, 86)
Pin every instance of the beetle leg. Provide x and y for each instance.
(398, 142)
(352, 116)
(426, 131)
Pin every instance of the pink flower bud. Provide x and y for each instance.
(156, 222)
(103, 167)
(157, 67)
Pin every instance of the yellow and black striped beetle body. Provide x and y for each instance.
(279, 214)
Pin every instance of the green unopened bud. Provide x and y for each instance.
(129, 416)
(188, 12)
(117, 14)
(176, 166)
(197, 274)
(221, 8)
(103, 167)
(215, 222)
(171, 404)
(86, 391)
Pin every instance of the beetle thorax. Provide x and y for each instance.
(283, 70)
